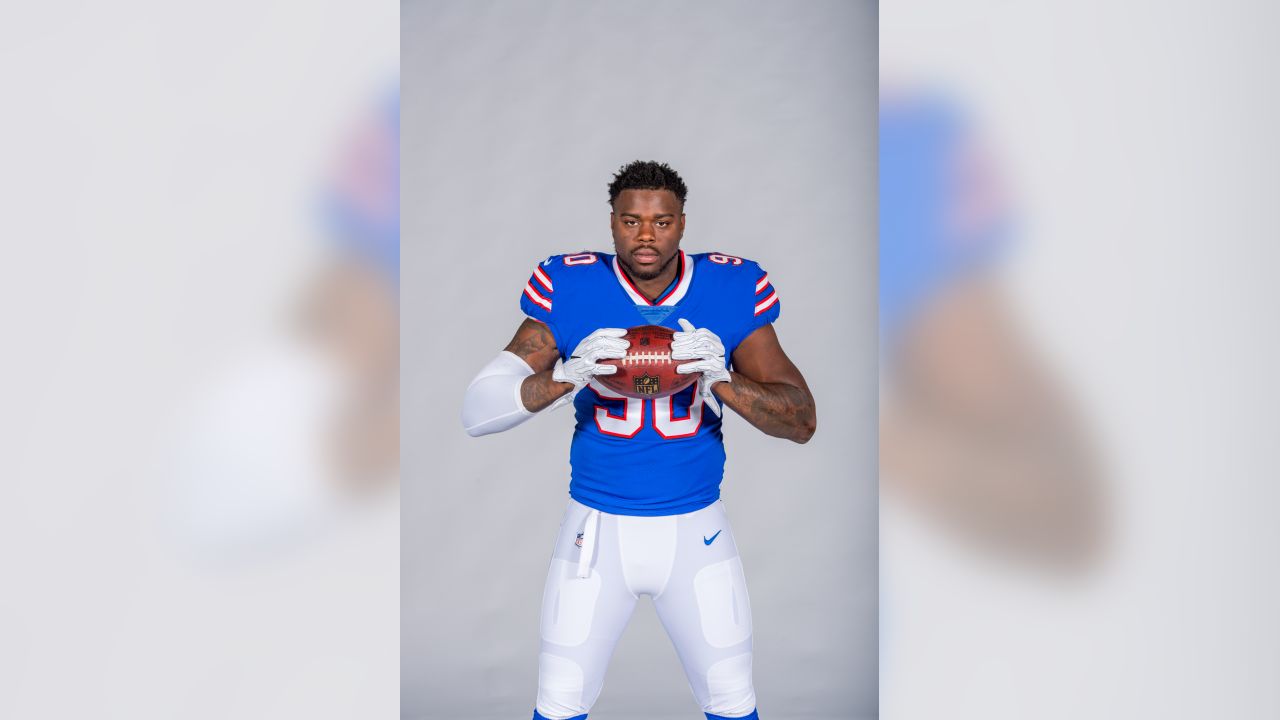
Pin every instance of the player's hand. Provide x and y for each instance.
(706, 351)
(584, 362)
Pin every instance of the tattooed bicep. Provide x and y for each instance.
(534, 343)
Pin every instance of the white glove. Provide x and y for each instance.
(705, 349)
(583, 363)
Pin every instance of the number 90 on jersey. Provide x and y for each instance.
(672, 417)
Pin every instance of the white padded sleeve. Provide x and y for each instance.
(492, 403)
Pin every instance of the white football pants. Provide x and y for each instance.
(602, 563)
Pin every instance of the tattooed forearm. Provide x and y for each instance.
(776, 409)
(538, 391)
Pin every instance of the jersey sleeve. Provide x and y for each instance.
(765, 307)
(538, 297)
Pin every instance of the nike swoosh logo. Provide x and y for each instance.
(713, 537)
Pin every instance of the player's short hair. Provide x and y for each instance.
(647, 175)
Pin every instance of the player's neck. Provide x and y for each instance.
(653, 289)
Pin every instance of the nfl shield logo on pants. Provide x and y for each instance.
(578, 542)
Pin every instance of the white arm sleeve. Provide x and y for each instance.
(492, 403)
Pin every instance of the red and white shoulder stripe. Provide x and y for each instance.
(539, 289)
(542, 279)
(766, 296)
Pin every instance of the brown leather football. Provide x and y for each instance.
(648, 370)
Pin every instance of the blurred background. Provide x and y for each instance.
(1076, 512)
(200, 458)
(1077, 469)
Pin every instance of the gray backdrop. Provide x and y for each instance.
(515, 115)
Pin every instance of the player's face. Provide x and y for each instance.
(647, 226)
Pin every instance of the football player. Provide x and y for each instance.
(644, 516)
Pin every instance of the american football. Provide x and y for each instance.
(648, 370)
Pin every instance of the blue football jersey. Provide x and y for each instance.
(661, 456)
